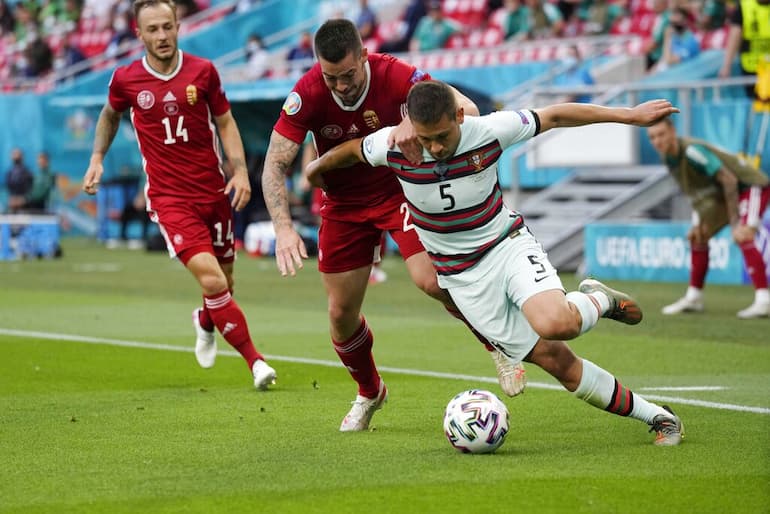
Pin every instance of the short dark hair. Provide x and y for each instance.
(429, 101)
(335, 39)
(141, 4)
(667, 120)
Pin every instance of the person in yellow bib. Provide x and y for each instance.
(750, 35)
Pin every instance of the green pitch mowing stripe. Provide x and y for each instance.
(403, 371)
(97, 428)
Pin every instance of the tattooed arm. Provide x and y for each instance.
(236, 158)
(289, 247)
(106, 128)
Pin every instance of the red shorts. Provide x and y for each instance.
(191, 228)
(349, 239)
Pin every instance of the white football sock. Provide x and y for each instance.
(587, 309)
(597, 387)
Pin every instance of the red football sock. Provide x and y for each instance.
(755, 265)
(700, 265)
(204, 318)
(231, 323)
(459, 315)
(356, 354)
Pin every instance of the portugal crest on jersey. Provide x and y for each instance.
(476, 161)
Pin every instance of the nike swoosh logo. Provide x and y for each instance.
(541, 278)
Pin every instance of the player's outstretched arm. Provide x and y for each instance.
(238, 182)
(341, 156)
(289, 247)
(576, 114)
(106, 128)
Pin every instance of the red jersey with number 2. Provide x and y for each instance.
(311, 106)
(173, 117)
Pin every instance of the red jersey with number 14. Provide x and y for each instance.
(173, 117)
(312, 107)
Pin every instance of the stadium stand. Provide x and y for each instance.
(511, 72)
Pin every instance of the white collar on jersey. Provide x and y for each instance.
(160, 75)
(355, 106)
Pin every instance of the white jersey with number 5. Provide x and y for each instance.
(457, 205)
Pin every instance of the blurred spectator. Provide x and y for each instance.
(414, 12)
(546, 20)
(366, 20)
(569, 8)
(679, 42)
(67, 56)
(126, 203)
(750, 37)
(18, 181)
(434, 30)
(515, 22)
(712, 15)
(25, 23)
(122, 37)
(185, 8)
(7, 22)
(100, 10)
(600, 15)
(134, 210)
(255, 210)
(47, 16)
(300, 57)
(257, 58)
(70, 13)
(570, 12)
(38, 57)
(653, 48)
(40, 196)
(576, 73)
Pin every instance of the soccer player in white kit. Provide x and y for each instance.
(495, 270)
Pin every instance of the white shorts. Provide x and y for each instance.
(512, 272)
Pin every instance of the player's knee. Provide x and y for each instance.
(341, 314)
(556, 325)
(213, 283)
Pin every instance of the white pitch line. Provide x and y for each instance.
(400, 371)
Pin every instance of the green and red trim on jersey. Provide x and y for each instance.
(459, 220)
(467, 163)
(454, 264)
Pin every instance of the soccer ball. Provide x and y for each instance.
(476, 421)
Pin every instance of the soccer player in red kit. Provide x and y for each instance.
(350, 93)
(177, 105)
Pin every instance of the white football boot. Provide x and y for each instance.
(755, 310)
(363, 409)
(683, 304)
(205, 342)
(264, 375)
(511, 376)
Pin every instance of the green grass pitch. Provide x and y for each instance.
(104, 409)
